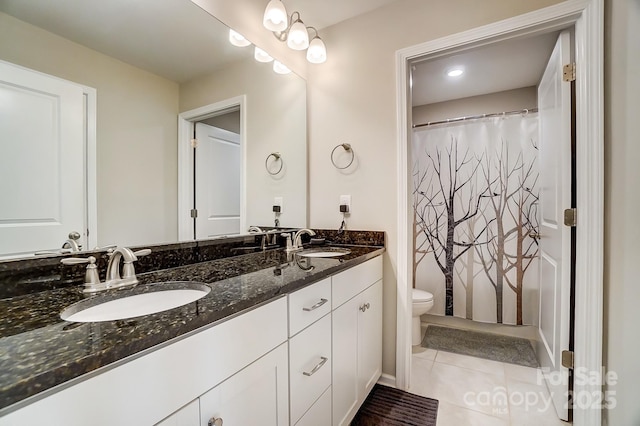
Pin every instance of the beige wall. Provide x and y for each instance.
(352, 98)
(276, 122)
(136, 119)
(622, 204)
(508, 100)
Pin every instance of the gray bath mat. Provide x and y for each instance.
(513, 350)
(387, 406)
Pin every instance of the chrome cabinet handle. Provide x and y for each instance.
(365, 307)
(323, 361)
(215, 421)
(316, 306)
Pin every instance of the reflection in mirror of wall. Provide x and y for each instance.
(149, 61)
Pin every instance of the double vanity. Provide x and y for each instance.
(276, 338)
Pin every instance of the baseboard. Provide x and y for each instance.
(387, 380)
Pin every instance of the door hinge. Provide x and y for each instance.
(570, 217)
(567, 359)
(194, 213)
(569, 72)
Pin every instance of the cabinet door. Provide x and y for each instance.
(257, 395)
(189, 415)
(345, 361)
(369, 339)
(320, 412)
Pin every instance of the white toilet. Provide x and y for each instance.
(422, 303)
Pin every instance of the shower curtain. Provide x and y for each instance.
(475, 198)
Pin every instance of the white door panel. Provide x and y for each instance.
(41, 160)
(218, 175)
(554, 104)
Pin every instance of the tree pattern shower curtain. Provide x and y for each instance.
(475, 199)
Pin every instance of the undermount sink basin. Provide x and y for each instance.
(142, 300)
(324, 252)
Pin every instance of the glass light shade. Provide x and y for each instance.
(275, 16)
(280, 68)
(317, 52)
(261, 56)
(238, 39)
(298, 38)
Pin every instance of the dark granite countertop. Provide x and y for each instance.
(38, 350)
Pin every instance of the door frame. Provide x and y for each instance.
(586, 16)
(186, 122)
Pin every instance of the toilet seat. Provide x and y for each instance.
(422, 296)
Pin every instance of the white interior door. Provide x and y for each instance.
(41, 161)
(217, 181)
(554, 103)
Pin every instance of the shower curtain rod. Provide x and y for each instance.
(476, 117)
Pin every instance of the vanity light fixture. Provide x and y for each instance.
(293, 31)
(261, 56)
(280, 68)
(237, 39)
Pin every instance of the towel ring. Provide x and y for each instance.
(347, 147)
(276, 156)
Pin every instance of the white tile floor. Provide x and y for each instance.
(478, 392)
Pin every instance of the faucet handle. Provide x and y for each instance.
(288, 237)
(142, 252)
(91, 277)
(78, 260)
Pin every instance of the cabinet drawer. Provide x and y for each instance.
(309, 366)
(347, 284)
(320, 412)
(309, 305)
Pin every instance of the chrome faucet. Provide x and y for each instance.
(113, 279)
(128, 278)
(297, 238)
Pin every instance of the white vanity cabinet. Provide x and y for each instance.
(356, 337)
(244, 357)
(308, 359)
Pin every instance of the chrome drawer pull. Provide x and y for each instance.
(316, 306)
(322, 362)
(365, 307)
(213, 421)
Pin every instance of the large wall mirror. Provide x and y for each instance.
(154, 65)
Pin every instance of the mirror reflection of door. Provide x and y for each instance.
(42, 161)
(217, 177)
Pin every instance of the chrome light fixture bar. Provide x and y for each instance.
(293, 31)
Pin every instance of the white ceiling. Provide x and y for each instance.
(492, 68)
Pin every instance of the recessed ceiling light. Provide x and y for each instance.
(455, 72)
